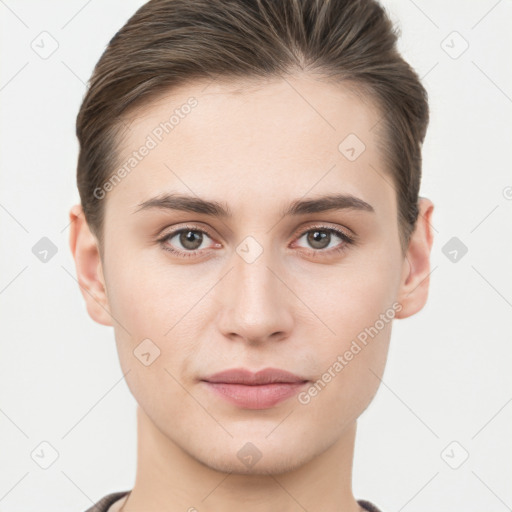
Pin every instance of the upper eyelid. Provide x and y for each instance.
(301, 230)
(321, 226)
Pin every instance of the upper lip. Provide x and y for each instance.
(247, 377)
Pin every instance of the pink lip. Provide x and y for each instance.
(259, 390)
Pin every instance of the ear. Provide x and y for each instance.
(85, 250)
(414, 283)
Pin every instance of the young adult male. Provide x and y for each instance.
(250, 226)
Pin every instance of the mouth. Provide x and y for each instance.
(260, 390)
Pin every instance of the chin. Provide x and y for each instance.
(254, 455)
(274, 464)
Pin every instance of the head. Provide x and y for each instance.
(295, 130)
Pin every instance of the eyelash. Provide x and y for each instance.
(347, 240)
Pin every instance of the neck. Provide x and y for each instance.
(171, 480)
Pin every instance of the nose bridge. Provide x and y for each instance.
(256, 306)
(256, 287)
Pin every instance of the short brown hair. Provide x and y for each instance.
(168, 43)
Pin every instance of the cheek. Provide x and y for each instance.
(350, 366)
(148, 332)
(353, 297)
(158, 318)
(358, 306)
(149, 298)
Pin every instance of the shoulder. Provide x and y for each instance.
(104, 504)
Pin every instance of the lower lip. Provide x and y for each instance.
(261, 396)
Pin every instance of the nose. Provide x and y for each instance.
(256, 304)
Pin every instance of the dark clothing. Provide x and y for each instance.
(108, 500)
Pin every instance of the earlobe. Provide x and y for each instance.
(414, 284)
(89, 270)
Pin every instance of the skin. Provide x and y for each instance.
(256, 150)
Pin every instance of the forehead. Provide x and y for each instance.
(251, 141)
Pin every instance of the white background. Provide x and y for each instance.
(449, 371)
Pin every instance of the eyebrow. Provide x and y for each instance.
(216, 209)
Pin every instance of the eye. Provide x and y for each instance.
(321, 238)
(188, 241)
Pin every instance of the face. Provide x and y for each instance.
(312, 291)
